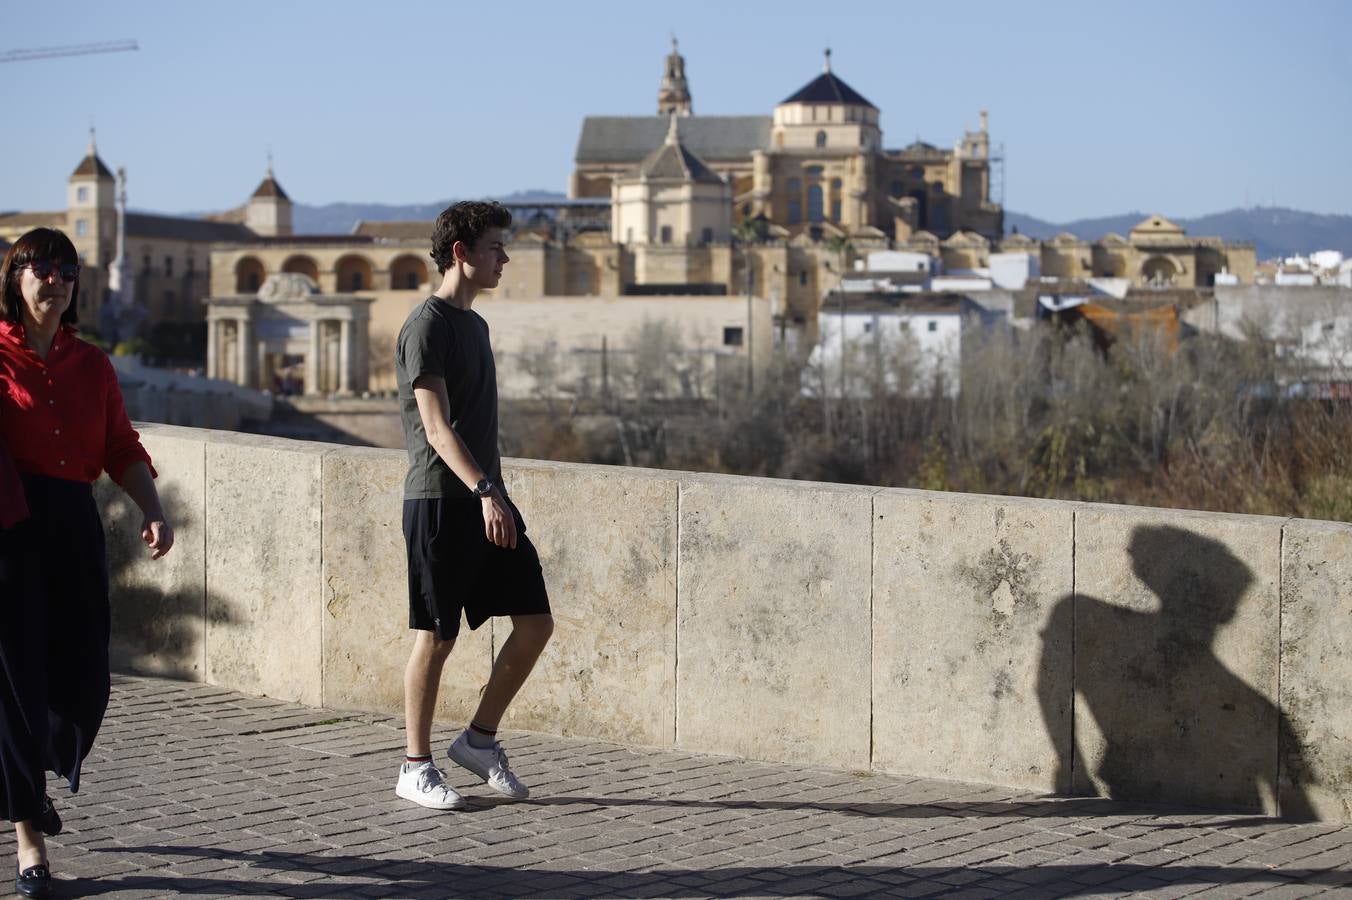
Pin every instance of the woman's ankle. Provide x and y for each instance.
(32, 847)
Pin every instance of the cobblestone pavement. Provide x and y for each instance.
(202, 791)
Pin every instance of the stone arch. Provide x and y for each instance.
(353, 273)
(249, 275)
(300, 264)
(1159, 270)
(407, 273)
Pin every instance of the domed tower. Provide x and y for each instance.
(674, 94)
(826, 113)
(269, 209)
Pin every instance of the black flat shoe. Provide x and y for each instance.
(48, 822)
(34, 881)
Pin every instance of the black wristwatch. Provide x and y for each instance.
(483, 488)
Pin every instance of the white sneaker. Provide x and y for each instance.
(490, 764)
(425, 785)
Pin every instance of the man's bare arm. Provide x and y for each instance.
(434, 408)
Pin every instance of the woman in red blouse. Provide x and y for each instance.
(63, 422)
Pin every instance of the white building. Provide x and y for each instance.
(900, 343)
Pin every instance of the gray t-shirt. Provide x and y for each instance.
(440, 339)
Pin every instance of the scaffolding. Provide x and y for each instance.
(997, 185)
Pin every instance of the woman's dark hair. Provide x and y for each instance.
(35, 246)
(466, 222)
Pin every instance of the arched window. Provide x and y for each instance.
(354, 273)
(835, 199)
(407, 273)
(815, 209)
(666, 234)
(302, 265)
(821, 139)
(248, 275)
(795, 201)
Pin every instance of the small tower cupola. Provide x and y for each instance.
(674, 94)
(269, 209)
(672, 197)
(92, 166)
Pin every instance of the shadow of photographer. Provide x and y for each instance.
(1166, 719)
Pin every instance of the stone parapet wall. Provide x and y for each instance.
(1142, 653)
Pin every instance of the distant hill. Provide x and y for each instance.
(1275, 231)
(338, 218)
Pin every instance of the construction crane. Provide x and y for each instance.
(10, 56)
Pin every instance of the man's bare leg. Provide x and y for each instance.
(422, 678)
(513, 666)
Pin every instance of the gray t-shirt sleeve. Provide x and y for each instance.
(426, 348)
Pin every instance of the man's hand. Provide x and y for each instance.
(499, 524)
(158, 535)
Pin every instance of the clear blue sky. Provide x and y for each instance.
(1183, 108)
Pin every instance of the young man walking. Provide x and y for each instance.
(467, 548)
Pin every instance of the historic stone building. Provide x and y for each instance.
(289, 337)
(674, 205)
(815, 165)
(167, 258)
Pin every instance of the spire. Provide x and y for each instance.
(674, 93)
(91, 165)
(826, 67)
(673, 135)
(269, 173)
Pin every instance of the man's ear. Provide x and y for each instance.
(459, 251)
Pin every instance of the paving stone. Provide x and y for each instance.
(311, 812)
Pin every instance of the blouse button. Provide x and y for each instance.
(61, 463)
(56, 431)
(51, 403)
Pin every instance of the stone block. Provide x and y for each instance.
(1176, 656)
(159, 606)
(607, 543)
(773, 620)
(365, 620)
(1316, 693)
(972, 638)
(264, 566)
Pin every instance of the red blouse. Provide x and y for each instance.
(64, 416)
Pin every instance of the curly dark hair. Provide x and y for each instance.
(34, 246)
(466, 222)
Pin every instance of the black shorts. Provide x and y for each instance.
(453, 566)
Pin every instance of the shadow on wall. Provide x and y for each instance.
(159, 608)
(1173, 722)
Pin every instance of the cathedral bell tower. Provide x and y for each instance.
(674, 94)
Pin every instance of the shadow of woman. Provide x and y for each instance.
(1174, 724)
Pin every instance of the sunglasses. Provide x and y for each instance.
(43, 269)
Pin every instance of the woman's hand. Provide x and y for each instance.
(158, 535)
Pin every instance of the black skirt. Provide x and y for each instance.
(54, 678)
